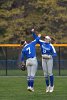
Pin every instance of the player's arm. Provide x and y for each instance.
(22, 56)
(54, 54)
(37, 39)
(22, 66)
(34, 34)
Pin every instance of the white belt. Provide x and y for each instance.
(45, 56)
(31, 58)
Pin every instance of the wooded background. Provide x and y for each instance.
(18, 17)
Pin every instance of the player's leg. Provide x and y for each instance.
(28, 76)
(28, 73)
(51, 77)
(50, 67)
(33, 72)
(45, 70)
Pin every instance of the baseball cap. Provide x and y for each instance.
(47, 37)
(23, 42)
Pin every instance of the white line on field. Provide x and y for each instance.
(35, 76)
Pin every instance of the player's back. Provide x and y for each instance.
(29, 50)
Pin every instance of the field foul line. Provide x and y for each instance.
(35, 76)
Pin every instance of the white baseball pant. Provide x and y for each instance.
(47, 65)
(31, 65)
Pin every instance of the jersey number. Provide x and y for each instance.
(44, 51)
(28, 50)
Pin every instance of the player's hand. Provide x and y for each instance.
(39, 35)
(23, 66)
(23, 63)
(32, 30)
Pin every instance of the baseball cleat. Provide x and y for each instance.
(30, 89)
(47, 89)
(51, 89)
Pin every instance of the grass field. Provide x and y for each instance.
(15, 88)
(17, 72)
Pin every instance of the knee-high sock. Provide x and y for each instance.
(28, 81)
(47, 81)
(51, 80)
(31, 81)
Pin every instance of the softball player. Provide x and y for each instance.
(48, 52)
(29, 51)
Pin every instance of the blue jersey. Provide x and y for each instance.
(46, 48)
(29, 50)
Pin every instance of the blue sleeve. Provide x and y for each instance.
(36, 40)
(22, 56)
(34, 35)
(54, 55)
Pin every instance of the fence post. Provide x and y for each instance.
(59, 61)
(6, 60)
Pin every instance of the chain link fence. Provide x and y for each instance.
(10, 60)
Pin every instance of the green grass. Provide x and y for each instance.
(17, 72)
(15, 88)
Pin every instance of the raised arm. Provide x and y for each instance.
(37, 39)
(33, 33)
